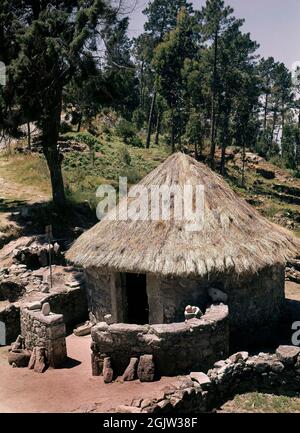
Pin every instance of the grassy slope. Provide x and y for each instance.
(113, 159)
(255, 402)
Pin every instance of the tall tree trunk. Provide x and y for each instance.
(50, 128)
(157, 132)
(172, 131)
(213, 105)
(244, 164)
(266, 111)
(273, 128)
(28, 136)
(151, 119)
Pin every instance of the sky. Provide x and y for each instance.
(274, 24)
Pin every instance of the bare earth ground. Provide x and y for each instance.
(69, 389)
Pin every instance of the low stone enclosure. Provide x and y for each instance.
(176, 348)
(277, 373)
(255, 301)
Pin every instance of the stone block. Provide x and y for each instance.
(56, 352)
(146, 368)
(287, 354)
(201, 378)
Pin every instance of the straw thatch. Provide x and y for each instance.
(235, 237)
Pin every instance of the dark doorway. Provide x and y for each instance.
(137, 299)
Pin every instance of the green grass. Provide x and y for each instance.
(82, 173)
(256, 402)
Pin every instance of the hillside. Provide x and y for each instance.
(25, 179)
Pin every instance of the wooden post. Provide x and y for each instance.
(49, 238)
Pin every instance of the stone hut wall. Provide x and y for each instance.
(254, 301)
(177, 348)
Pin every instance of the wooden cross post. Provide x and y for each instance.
(49, 238)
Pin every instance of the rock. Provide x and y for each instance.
(164, 404)
(267, 174)
(43, 258)
(45, 288)
(130, 372)
(146, 368)
(220, 364)
(46, 309)
(239, 356)
(18, 344)
(20, 358)
(217, 295)
(34, 306)
(108, 372)
(83, 330)
(109, 319)
(128, 409)
(32, 359)
(277, 367)
(145, 403)
(203, 380)
(287, 354)
(40, 364)
(136, 402)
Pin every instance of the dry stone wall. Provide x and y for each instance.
(177, 348)
(277, 373)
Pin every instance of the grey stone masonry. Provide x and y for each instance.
(45, 331)
(177, 348)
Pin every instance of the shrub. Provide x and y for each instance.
(125, 156)
(126, 131)
(137, 142)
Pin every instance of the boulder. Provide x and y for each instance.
(201, 378)
(146, 368)
(239, 356)
(130, 372)
(40, 364)
(108, 372)
(83, 330)
(18, 344)
(34, 306)
(287, 354)
(217, 295)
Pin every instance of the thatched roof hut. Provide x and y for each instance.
(148, 271)
(234, 235)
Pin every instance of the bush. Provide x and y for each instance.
(125, 156)
(137, 142)
(82, 137)
(126, 131)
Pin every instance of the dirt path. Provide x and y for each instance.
(69, 389)
(13, 190)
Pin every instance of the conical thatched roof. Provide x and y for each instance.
(235, 237)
